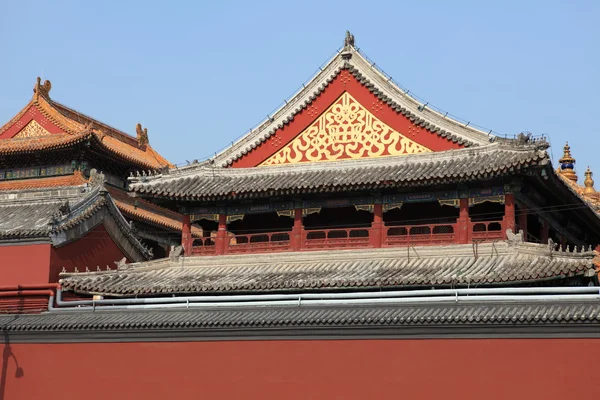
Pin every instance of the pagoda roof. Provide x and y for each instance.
(59, 215)
(59, 126)
(387, 92)
(204, 181)
(149, 213)
(501, 263)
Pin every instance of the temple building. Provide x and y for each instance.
(356, 244)
(63, 199)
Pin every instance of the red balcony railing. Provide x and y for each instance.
(486, 230)
(336, 238)
(342, 238)
(259, 243)
(203, 246)
(420, 234)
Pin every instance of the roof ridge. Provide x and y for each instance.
(351, 59)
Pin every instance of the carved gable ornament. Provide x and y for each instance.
(346, 130)
(32, 129)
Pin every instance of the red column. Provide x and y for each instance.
(376, 234)
(523, 220)
(508, 222)
(297, 230)
(186, 235)
(545, 232)
(463, 234)
(222, 243)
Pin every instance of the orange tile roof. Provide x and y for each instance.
(77, 127)
(149, 212)
(147, 158)
(51, 181)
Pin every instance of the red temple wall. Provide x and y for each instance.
(94, 249)
(24, 264)
(353, 369)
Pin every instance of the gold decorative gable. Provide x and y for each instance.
(32, 129)
(346, 130)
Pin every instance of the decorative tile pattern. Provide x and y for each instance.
(346, 130)
(32, 129)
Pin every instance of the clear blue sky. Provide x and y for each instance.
(200, 74)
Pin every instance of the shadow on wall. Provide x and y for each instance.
(7, 354)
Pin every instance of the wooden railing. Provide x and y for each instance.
(335, 238)
(259, 243)
(403, 235)
(203, 246)
(343, 238)
(486, 230)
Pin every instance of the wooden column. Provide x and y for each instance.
(186, 235)
(222, 243)
(545, 232)
(508, 222)
(376, 234)
(523, 220)
(297, 231)
(463, 234)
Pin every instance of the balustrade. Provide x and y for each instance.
(341, 238)
(259, 242)
(336, 238)
(402, 235)
(203, 246)
(486, 230)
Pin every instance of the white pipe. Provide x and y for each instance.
(342, 295)
(340, 302)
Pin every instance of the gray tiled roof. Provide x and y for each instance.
(60, 215)
(440, 266)
(28, 213)
(472, 315)
(461, 165)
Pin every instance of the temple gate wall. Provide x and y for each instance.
(309, 369)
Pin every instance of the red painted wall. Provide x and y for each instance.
(293, 370)
(94, 249)
(25, 264)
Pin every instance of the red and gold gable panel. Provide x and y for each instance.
(345, 121)
(31, 124)
(346, 130)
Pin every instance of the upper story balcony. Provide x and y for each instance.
(342, 224)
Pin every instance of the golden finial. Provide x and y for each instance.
(567, 164)
(588, 182)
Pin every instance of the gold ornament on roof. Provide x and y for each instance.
(346, 130)
(588, 182)
(567, 164)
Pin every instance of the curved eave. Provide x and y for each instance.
(453, 166)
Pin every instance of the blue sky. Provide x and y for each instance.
(200, 74)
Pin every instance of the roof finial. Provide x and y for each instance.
(42, 89)
(588, 182)
(142, 136)
(567, 164)
(349, 40)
